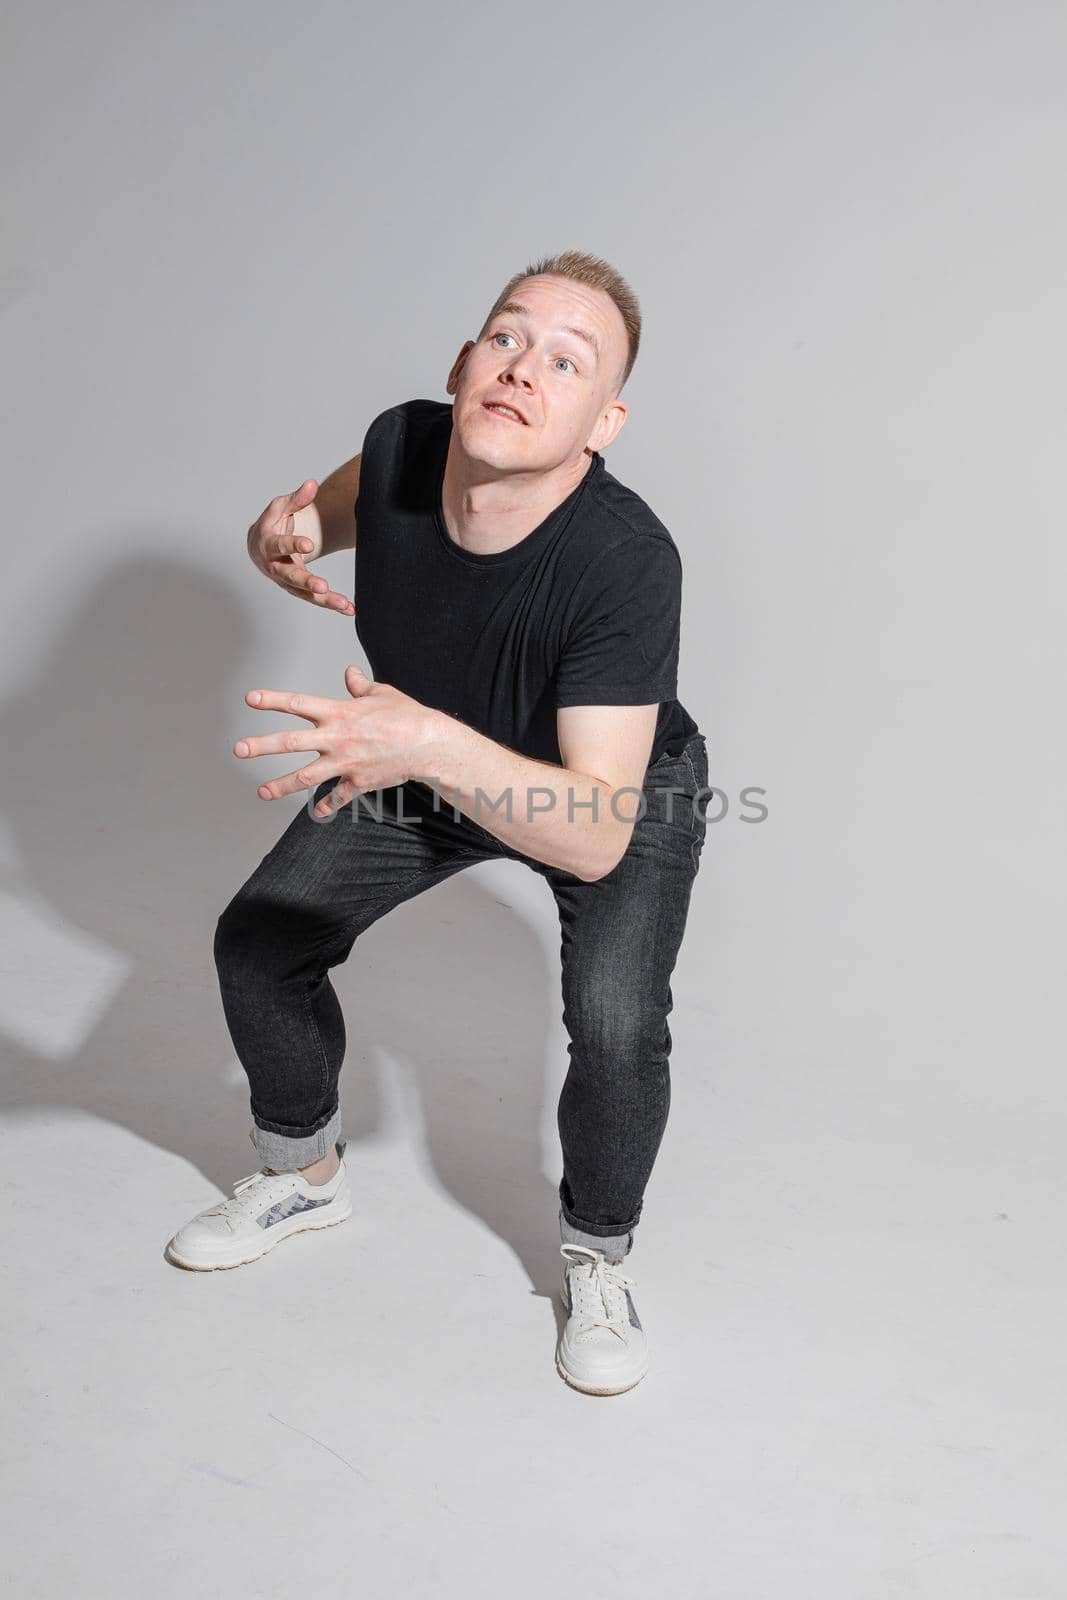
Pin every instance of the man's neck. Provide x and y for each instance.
(486, 516)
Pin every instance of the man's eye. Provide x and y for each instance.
(567, 359)
(502, 336)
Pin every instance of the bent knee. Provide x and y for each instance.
(277, 938)
(614, 1031)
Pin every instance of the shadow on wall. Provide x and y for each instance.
(129, 826)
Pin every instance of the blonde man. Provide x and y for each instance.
(520, 609)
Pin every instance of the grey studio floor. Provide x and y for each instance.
(849, 1393)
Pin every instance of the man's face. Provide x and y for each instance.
(533, 357)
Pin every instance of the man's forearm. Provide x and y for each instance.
(564, 818)
(331, 515)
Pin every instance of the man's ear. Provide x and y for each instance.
(608, 426)
(457, 367)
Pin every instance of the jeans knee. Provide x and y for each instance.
(244, 942)
(230, 941)
(610, 1033)
(265, 939)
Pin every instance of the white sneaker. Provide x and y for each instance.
(266, 1207)
(602, 1349)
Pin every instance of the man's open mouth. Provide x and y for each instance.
(501, 410)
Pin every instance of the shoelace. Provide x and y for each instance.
(238, 1205)
(597, 1286)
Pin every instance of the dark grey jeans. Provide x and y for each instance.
(324, 882)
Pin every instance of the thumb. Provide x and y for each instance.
(304, 495)
(356, 681)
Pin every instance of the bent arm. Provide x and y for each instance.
(577, 825)
(330, 520)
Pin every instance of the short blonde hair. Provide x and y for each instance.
(598, 274)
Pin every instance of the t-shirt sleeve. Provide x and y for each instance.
(621, 648)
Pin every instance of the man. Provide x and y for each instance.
(520, 610)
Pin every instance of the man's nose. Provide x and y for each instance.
(521, 369)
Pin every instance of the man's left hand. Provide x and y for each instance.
(373, 740)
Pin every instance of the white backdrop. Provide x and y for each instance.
(235, 237)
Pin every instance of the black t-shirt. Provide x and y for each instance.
(585, 610)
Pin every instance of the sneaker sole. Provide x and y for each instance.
(269, 1243)
(589, 1388)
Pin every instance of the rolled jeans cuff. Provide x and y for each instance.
(614, 1246)
(286, 1154)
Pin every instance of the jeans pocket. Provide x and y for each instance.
(696, 759)
(669, 791)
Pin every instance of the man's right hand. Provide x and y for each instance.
(284, 538)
